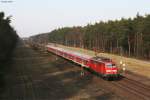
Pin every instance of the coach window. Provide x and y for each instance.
(109, 65)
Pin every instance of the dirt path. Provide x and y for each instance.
(38, 76)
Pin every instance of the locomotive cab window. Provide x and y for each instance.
(110, 65)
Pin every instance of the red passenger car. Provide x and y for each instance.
(101, 65)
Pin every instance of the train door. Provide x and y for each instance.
(102, 68)
(98, 68)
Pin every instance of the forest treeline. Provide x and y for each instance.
(8, 37)
(127, 36)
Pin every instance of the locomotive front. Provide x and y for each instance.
(111, 69)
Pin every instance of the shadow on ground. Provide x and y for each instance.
(5, 67)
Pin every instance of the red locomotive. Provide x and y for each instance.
(101, 65)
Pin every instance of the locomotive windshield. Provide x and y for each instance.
(110, 65)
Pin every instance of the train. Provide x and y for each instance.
(103, 66)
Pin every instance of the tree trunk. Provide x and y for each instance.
(129, 46)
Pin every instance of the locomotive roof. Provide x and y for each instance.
(100, 59)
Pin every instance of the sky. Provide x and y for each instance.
(32, 17)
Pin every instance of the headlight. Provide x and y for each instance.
(108, 70)
(111, 71)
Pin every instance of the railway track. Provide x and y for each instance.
(129, 88)
(135, 87)
(137, 83)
